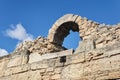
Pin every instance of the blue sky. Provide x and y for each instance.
(35, 18)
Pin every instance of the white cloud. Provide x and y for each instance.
(3, 52)
(18, 32)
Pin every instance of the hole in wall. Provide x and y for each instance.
(72, 40)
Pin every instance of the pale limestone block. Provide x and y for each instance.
(78, 19)
(100, 40)
(15, 61)
(39, 65)
(66, 18)
(85, 45)
(72, 72)
(34, 75)
(58, 70)
(50, 69)
(78, 58)
(114, 75)
(56, 77)
(34, 57)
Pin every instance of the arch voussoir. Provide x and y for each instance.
(66, 18)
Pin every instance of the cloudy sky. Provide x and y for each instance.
(26, 19)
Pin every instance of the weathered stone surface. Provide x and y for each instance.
(15, 61)
(72, 72)
(96, 58)
(40, 45)
(85, 46)
(2, 64)
(56, 77)
(18, 60)
(39, 65)
(34, 57)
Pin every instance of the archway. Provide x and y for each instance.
(72, 40)
(62, 28)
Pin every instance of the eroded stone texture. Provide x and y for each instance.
(93, 34)
(98, 64)
(96, 58)
(40, 45)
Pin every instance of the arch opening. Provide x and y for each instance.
(72, 40)
(62, 34)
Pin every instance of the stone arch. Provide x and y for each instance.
(63, 25)
(62, 31)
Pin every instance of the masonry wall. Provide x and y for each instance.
(101, 64)
(97, 56)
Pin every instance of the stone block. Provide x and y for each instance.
(58, 70)
(72, 72)
(100, 45)
(42, 71)
(113, 52)
(50, 69)
(114, 75)
(97, 67)
(18, 60)
(51, 62)
(20, 69)
(2, 64)
(57, 54)
(115, 62)
(34, 75)
(46, 77)
(5, 78)
(39, 65)
(85, 45)
(15, 61)
(55, 77)
(34, 57)
(58, 63)
(78, 19)
(99, 40)
(30, 75)
(65, 18)
(1, 73)
(23, 76)
(8, 72)
(78, 58)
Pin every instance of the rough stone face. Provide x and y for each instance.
(85, 45)
(96, 58)
(34, 58)
(40, 45)
(72, 72)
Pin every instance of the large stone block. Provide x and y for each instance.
(85, 45)
(66, 18)
(72, 72)
(39, 65)
(34, 57)
(56, 77)
(18, 60)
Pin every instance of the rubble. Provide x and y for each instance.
(40, 45)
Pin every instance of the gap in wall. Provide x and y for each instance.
(72, 40)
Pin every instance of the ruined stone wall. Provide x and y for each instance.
(93, 34)
(98, 64)
(96, 58)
